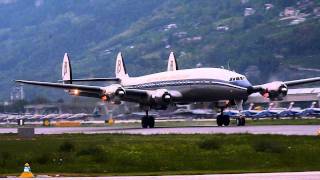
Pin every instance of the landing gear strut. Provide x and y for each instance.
(223, 119)
(147, 121)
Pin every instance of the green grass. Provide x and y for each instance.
(108, 154)
(284, 122)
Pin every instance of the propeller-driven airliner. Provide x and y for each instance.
(173, 87)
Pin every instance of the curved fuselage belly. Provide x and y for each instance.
(205, 92)
(209, 93)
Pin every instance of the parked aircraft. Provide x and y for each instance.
(49, 117)
(192, 113)
(236, 113)
(78, 116)
(158, 91)
(291, 111)
(312, 111)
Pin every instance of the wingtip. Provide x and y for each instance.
(18, 81)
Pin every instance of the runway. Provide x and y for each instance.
(310, 130)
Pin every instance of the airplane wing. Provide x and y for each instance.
(81, 90)
(159, 96)
(302, 81)
(276, 90)
(94, 80)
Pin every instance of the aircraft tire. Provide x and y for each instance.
(144, 122)
(241, 121)
(219, 120)
(226, 120)
(151, 122)
(238, 121)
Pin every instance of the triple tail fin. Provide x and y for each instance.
(66, 70)
(172, 63)
(120, 70)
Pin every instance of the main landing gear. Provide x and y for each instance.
(241, 121)
(147, 121)
(223, 119)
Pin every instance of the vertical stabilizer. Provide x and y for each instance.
(172, 63)
(271, 105)
(120, 71)
(66, 70)
(313, 105)
(251, 106)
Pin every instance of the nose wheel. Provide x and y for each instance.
(147, 121)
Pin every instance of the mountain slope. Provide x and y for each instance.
(34, 34)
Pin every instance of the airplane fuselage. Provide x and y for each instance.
(194, 85)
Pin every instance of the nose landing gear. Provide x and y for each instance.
(147, 121)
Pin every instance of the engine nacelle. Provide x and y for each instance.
(276, 90)
(161, 96)
(113, 91)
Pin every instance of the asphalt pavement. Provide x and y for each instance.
(311, 130)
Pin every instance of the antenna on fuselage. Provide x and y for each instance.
(228, 65)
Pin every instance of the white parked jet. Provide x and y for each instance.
(159, 90)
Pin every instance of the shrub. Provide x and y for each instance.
(43, 159)
(210, 144)
(269, 146)
(4, 157)
(66, 147)
(96, 152)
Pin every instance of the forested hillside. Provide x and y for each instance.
(265, 39)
